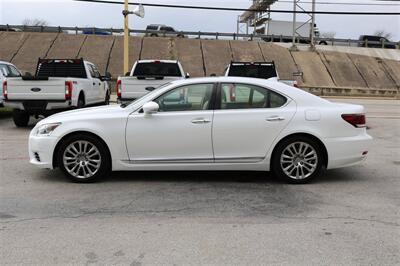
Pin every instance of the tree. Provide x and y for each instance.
(34, 22)
(383, 33)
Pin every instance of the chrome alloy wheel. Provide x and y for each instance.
(299, 160)
(82, 159)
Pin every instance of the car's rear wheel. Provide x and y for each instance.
(84, 158)
(298, 160)
(21, 118)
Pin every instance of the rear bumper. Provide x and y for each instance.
(347, 151)
(38, 106)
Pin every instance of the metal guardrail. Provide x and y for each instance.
(200, 34)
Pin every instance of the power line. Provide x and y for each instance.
(342, 3)
(245, 9)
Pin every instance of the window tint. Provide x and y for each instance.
(151, 27)
(252, 70)
(186, 98)
(157, 69)
(96, 72)
(243, 96)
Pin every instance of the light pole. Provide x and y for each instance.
(138, 11)
(126, 37)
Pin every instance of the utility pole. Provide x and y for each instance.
(294, 47)
(126, 37)
(312, 28)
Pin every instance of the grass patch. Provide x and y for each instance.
(5, 112)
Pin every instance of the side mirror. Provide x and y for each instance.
(150, 88)
(150, 108)
(127, 73)
(108, 75)
(187, 75)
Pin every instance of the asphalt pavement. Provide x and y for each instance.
(350, 216)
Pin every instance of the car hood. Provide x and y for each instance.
(84, 113)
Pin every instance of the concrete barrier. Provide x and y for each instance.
(190, 55)
(342, 69)
(314, 71)
(393, 69)
(66, 46)
(246, 51)
(216, 55)
(284, 62)
(35, 46)
(10, 43)
(372, 71)
(96, 49)
(158, 48)
(116, 62)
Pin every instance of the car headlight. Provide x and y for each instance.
(46, 129)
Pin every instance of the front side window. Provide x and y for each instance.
(245, 96)
(4, 70)
(186, 98)
(13, 72)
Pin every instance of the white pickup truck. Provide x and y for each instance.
(262, 70)
(6, 70)
(146, 75)
(58, 84)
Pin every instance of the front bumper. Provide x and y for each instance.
(347, 151)
(41, 150)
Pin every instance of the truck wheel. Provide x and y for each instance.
(21, 118)
(107, 99)
(81, 102)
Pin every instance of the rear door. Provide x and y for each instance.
(247, 121)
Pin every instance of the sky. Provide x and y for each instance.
(71, 13)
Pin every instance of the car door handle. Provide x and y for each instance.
(200, 121)
(275, 118)
(94, 83)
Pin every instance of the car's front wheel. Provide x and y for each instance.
(84, 158)
(298, 160)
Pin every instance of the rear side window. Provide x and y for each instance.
(13, 72)
(4, 70)
(253, 71)
(157, 69)
(246, 96)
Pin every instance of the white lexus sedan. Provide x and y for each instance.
(212, 123)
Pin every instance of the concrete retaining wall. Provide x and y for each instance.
(326, 71)
(35, 46)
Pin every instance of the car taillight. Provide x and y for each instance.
(118, 89)
(357, 120)
(5, 92)
(68, 90)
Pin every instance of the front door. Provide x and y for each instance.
(179, 132)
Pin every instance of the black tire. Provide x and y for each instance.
(104, 157)
(323, 43)
(81, 101)
(154, 35)
(300, 163)
(21, 118)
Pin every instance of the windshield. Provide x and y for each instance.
(146, 96)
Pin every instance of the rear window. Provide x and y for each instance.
(252, 71)
(151, 27)
(157, 69)
(61, 68)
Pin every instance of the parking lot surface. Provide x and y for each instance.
(350, 216)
